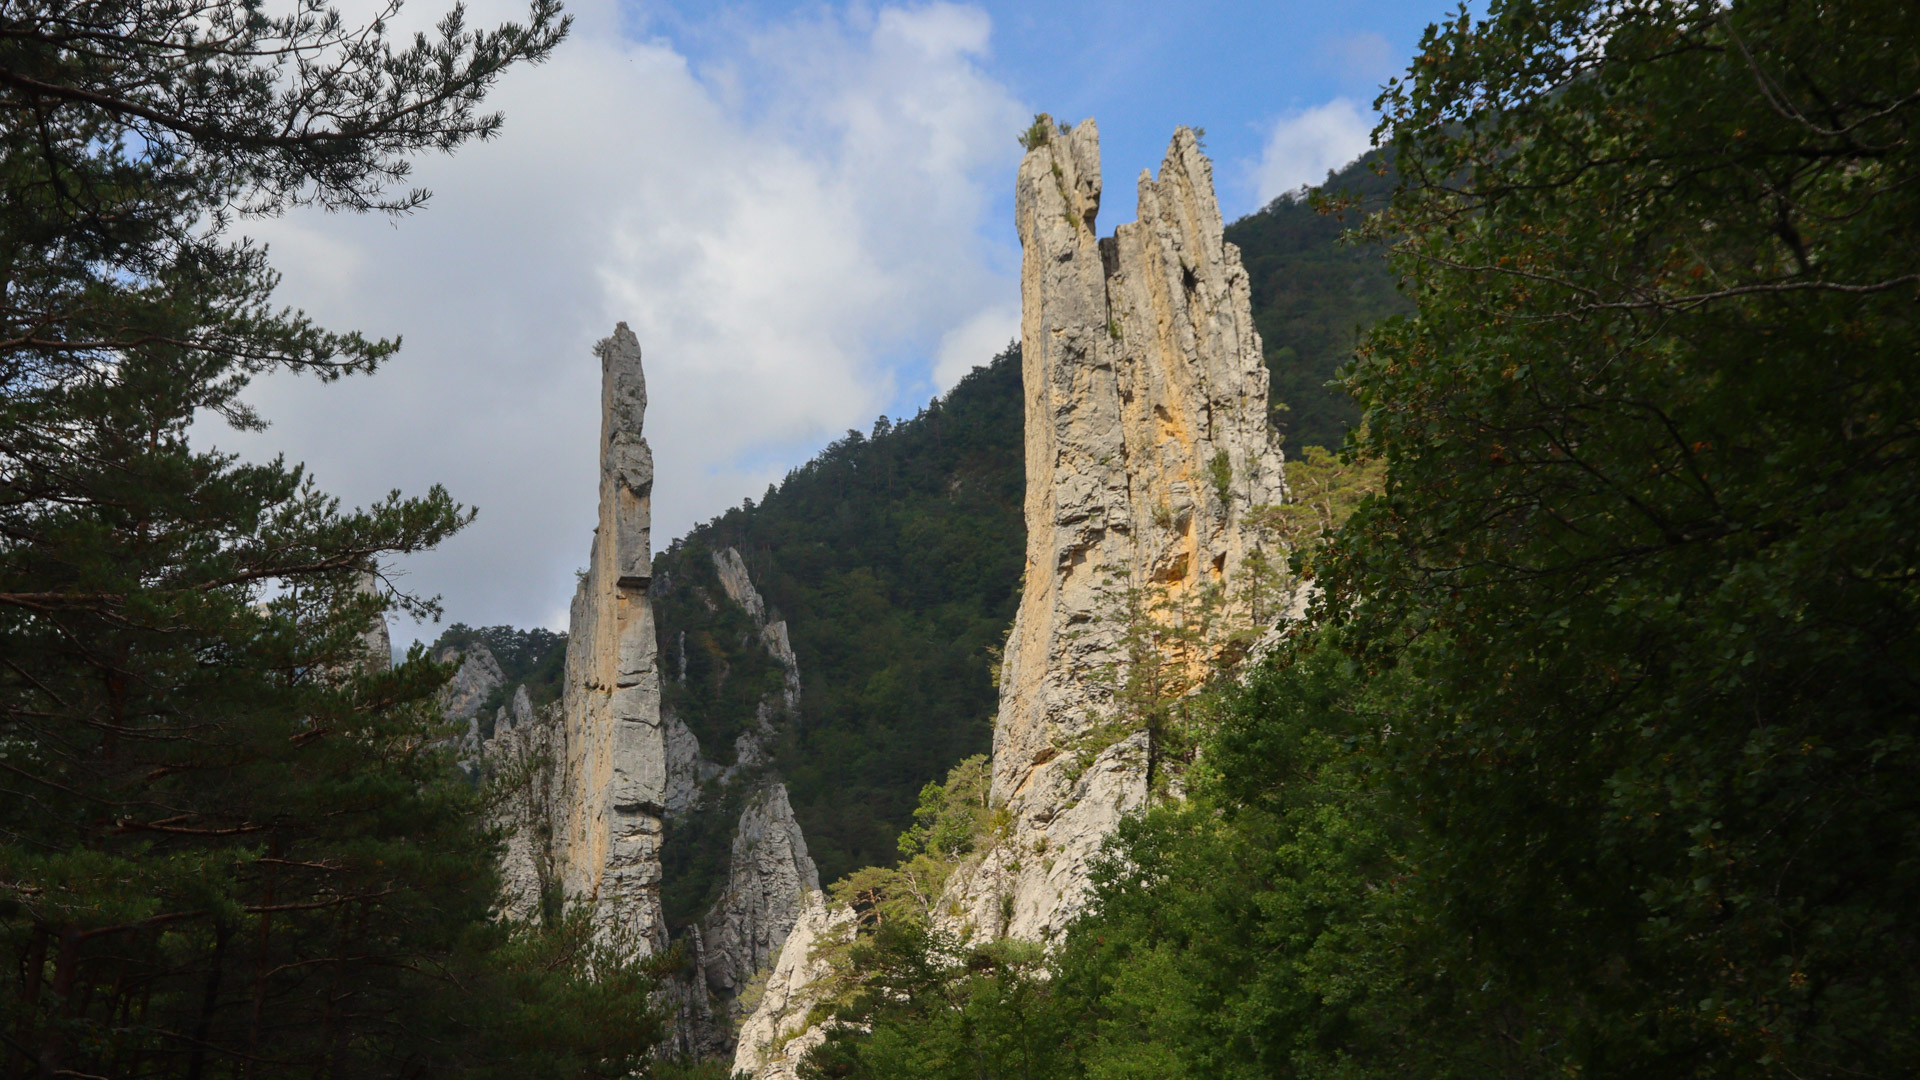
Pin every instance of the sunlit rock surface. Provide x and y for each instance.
(1147, 444)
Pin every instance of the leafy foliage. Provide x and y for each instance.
(929, 1007)
(1323, 491)
(1598, 757)
(229, 845)
(953, 819)
(1649, 534)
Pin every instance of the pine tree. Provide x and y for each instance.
(229, 845)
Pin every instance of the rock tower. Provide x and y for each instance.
(1147, 444)
(602, 797)
(602, 775)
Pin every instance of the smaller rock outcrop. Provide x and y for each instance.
(376, 641)
(776, 1034)
(477, 677)
(523, 756)
(770, 877)
(732, 570)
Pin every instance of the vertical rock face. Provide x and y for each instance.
(615, 767)
(594, 778)
(376, 642)
(1147, 443)
(776, 1035)
(770, 878)
(526, 747)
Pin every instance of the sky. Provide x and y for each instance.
(804, 211)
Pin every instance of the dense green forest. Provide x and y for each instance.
(1597, 755)
(895, 559)
(1315, 290)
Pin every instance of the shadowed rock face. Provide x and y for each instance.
(1147, 444)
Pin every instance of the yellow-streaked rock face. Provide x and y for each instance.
(1147, 443)
(591, 825)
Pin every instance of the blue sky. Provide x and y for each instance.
(804, 212)
(1142, 68)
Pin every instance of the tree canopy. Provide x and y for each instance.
(1597, 755)
(230, 844)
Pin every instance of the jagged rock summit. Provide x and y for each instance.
(1147, 446)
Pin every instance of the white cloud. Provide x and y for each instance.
(974, 342)
(792, 229)
(1305, 145)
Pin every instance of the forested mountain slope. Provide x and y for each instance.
(1312, 295)
(895, 560)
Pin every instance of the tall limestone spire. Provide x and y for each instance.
(1147, 443)
(612, 730)
(588, 823)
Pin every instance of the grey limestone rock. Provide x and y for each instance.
(732, 570)
(770, 878)
(593, 780)
(685, 769)
(477, 677)
(613, 740)
(1147, 446)
(593, 776)
(522, 756)
(376, 641)
(775, 1036)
